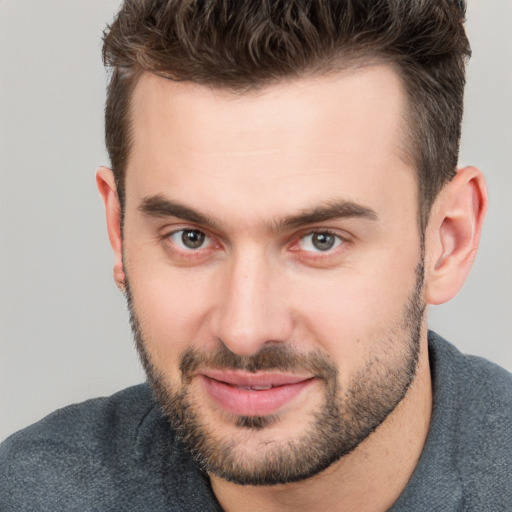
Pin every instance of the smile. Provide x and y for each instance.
(245, 394)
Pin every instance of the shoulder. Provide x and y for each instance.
(486, 439)
(466, 462)
(477, 388)
(479, 403)
(72, 454)
(86, 424)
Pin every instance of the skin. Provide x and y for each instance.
(248, 162)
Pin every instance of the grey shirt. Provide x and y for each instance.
(119, 453)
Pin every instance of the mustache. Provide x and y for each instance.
(278, 357)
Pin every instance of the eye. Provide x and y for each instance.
(321, 241)
(190, 239)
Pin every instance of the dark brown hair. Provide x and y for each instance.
(246, 44)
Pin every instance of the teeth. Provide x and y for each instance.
(255, 388)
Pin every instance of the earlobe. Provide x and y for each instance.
(107, 188)
(453, 234)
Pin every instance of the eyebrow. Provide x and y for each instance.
(160, 206)
(336, 209)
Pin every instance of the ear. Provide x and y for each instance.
(107, 188)
(453, 234)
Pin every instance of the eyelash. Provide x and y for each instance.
(339, 240)
(189, 230)
(188, 256)
(198, 253)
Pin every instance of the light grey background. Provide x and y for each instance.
(63, 325)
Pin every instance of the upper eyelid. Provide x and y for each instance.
(334, 232)
(166, 238)
(168, 230)
(301, 234)
(298, 235)
(313, 230)
(323, 231)
(320, 225)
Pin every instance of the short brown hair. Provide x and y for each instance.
(246, 44)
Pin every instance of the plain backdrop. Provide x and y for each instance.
(63, 324)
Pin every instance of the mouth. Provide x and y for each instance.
(244, 394)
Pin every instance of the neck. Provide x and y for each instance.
(369, 479)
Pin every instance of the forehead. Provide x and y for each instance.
(287, 142)
(350, 96)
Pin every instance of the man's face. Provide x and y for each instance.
(274, 266)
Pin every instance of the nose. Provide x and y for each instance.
(251, 311)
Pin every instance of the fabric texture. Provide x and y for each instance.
(119, 453)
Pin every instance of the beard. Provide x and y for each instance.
(344, 420)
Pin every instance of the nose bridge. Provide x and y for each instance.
(251, 312)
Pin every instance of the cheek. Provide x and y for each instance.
(352, 314)
(171, 308)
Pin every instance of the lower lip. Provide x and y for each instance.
(245, 402)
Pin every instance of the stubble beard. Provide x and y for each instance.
(344, 420)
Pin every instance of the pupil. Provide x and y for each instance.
(192, 239)
(323, 241)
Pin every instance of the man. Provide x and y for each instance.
(283, 205)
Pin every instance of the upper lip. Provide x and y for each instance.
(244, 379)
